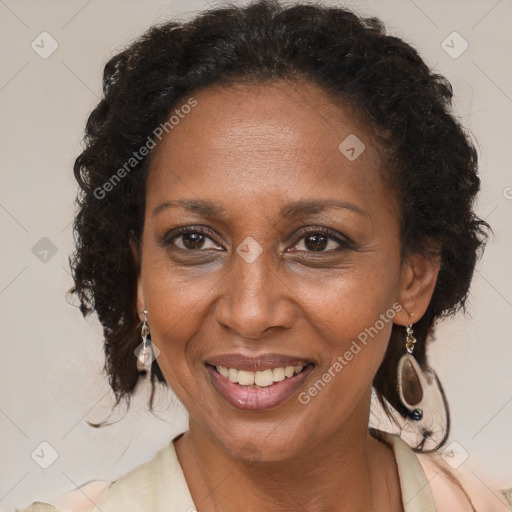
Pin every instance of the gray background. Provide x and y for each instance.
(51, 377)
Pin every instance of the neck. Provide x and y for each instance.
(348, 471)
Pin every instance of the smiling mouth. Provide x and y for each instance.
(261, 378)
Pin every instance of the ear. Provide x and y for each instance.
(417, 282)
(137, 259)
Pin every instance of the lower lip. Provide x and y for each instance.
(257, 399)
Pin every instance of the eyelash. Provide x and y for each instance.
(332, 235)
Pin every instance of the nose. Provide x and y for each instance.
(254, 298)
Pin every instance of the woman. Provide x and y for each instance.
(276, 207)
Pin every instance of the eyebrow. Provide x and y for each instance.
(206, 208)
(295, 209)
(313, 206)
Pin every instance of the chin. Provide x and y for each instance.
(261, 441)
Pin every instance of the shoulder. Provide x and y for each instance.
(459, 488)
(82, 499)
(38, 506)
(138, 489)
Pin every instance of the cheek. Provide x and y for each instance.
(175, 304)
(353, 338)
(351, 302)
(353, 318)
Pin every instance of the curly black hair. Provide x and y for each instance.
(430, 161)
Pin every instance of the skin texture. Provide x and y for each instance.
(252, 150)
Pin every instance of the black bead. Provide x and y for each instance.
(417, 414)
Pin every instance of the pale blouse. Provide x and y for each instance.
(160, 486)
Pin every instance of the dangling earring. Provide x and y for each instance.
(421, 394)
(144, 351)
(409, 383)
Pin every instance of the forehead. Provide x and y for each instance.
(267, 138)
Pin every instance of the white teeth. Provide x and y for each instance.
(263, 378)
(289, 371)
(233, 375)
(245, 378)
(278, 374)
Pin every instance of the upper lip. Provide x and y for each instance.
(256, 363)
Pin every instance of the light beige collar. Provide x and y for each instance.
(416, 495)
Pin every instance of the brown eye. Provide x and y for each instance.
(316, 242)
(191, 240)
(321, 240)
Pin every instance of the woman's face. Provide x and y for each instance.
(290, 259)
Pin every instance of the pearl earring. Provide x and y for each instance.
(145, 353)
